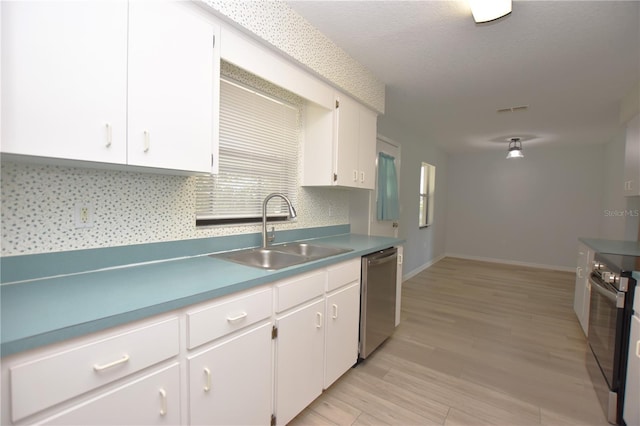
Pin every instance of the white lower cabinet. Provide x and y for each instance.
(632, 390)
(299, 359)
(230, 383)
(317, 318)
(75, 369)
(150, 400)
(240, 359)
(341, 341)
(582, 294)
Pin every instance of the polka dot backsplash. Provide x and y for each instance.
(129, 208)
(279, 25)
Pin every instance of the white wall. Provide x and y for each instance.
(528, 211)
(423, 246)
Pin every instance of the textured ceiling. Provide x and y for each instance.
(571, 62)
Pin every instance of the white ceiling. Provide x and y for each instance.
(571, 62)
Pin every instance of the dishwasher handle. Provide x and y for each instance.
(382, 257)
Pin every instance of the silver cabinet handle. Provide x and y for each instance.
(122, 360)
(147, 144)
(318, 320)
(335, 311)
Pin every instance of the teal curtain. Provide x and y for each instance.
(388, 203)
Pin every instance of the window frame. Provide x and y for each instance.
(277, 211)
(426, 195)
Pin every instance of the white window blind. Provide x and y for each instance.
(258, 156)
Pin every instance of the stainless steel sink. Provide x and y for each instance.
(280, 256)
(309, 250)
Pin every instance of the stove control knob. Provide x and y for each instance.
(597, 265)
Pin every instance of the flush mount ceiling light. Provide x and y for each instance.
(489, 10)
(515, 148)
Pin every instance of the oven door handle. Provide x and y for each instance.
(616, 297)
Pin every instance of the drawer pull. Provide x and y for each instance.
(122, 360)
(147, 144)
(207, 385)
(335, 311)
(163, 402)
(318, 320)
(109, 135)
(638, 349)
(237, 317)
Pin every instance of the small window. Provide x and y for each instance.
(258, 155)
(427, 191)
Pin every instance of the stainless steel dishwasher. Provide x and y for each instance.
(377, 299)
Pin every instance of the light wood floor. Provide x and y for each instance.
(479, 344)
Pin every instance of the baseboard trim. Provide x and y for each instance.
(512, 262)
(421, 268)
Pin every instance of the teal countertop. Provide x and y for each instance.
(627, 248)
(47, 310)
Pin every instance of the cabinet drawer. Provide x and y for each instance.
(300, 289)
(227, 316)
(343, 273)
(43, 382)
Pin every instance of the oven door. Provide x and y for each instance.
(606, 316)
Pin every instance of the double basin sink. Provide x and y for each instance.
(281, 255)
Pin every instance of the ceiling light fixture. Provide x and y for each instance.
(489, 10)
(515, 148)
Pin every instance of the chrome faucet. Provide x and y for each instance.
(292, 214)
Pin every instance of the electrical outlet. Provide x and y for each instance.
(83, 215)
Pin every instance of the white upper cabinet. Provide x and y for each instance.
(64, 80)
(346, 141)
(632, 158)
(171, 63)
(110, 82)
(367, 148)
(340, 145)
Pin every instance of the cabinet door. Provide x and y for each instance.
(299, 359)
(341, 343)
(578, 297)
(632, 393)
(367, 148)
(632, 158)
(346, 141)
(150, 400)
(171, 75)
(230, 384)
(64, 79)
(582, 293)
